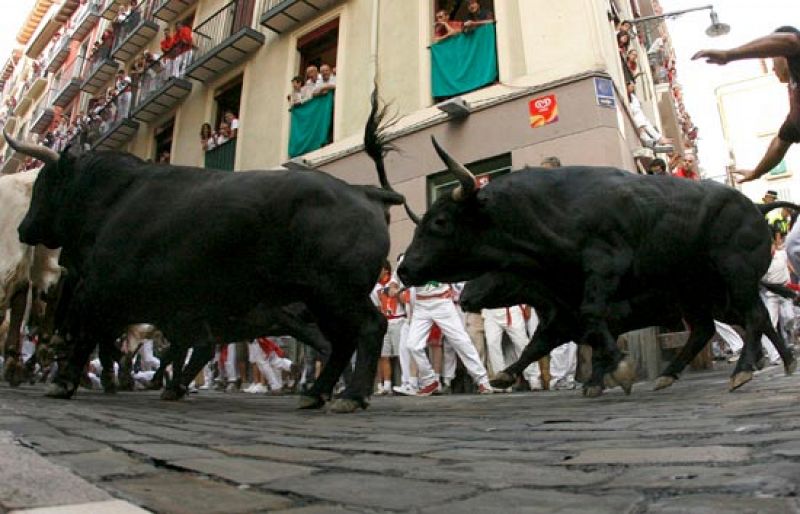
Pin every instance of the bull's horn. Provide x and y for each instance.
(468, 182)
(44, 154)
(411, 214)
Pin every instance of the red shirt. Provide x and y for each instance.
(684, 173)
(167, 43)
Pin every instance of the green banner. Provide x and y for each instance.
(465, 62)
(311, 125)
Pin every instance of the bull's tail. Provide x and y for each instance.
(766, 207)
(377, 147)
(779, 289)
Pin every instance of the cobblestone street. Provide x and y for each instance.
(692, 448)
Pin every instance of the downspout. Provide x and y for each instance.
(373, 42)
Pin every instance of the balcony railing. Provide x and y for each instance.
(43, 115)
(223, 41)
(100, 70)
(282, 15)
(69, 84)
(160, 88)
(86, 19)
(38, 81)
(222, 157)
(170, 10)
(58, 54)
(111, 9)
(134, 33)
(110, 127)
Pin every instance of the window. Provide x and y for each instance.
(444, 182)
(163, 136)
(228, 98)
(319, 47)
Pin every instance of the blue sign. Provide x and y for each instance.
(604, 91)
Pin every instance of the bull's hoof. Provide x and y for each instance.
(761, 363)
(59, 391)
(171, 395)
(503, 380)
(625, 375)
(609, 382)
(740, 379)
(347, 405)
(107, 381)
(592, 391)
(663, 382)
(310, 402)
(790, 367)
(13, 372)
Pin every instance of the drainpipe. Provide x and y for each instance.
(373, 42)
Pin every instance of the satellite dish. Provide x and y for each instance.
(716, 28)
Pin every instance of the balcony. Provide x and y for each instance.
(86, 20)
(111, 9)
(69, 84)
(282, 15)
(169, 10)
(223, 41)
(670, 122)
(118, 133)
(65, 11)
(222, 157)
(38, 85)
(23, 105)
(158, 93)
(43, 115)
(12, 160)
(42, 37)
(101, 71)
(11, 125)
(57, 55)
(134, 35)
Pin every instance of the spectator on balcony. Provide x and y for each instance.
(444, 27)
(632, 62)
(296, 96)
(623, 42)
(223, 133)
(625, 27)
(208, 140)
(657, 167)
(164, 157)
(476, 16)
(122, 84)
(233, 123)
(326, 82)
(183, 47)
(167, 54)
(686, 168)
(312, 79)
(648, 134)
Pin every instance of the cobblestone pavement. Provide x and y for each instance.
(691, 448)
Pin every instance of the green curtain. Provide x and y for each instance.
(464, 62)
(311, 124)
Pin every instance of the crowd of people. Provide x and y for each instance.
(318, 81)
(227, 130)
(446, 25)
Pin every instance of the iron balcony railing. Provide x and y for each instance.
(219, 26)
(141, 13)
(222, 157)
(73, 71)
(92, 6)
(155, 75)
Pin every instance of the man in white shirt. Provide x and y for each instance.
(778, 273)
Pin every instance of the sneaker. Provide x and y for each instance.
(429, 389)
(536, 385)
(204, 387)
(380, 391)
(405, 390)
(232, 388)
(485, 389)
(564, 384)
(259, 389)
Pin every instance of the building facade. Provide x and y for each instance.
(545, 79)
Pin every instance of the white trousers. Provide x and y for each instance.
(730, 336)
(270, 366)
(563, 362)
(508, 320)
(231, 373)
(442, 311)
(148, 361)
(773, 303)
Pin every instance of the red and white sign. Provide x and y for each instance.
(543, 110)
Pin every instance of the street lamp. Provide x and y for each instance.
(715, 29)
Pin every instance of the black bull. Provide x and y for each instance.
(601, 235)
(190, 250)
